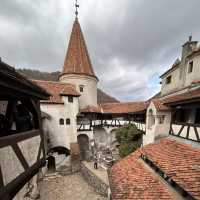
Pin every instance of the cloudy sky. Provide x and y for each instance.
(131, 42)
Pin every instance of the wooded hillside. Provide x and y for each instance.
(102, 97)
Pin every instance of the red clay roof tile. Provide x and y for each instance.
(159, 105)
(77, 60)
(119, 108)
(129, 179)
(189, 95)
(57, 89)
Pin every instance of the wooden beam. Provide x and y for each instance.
(13, 139)
(10, 113)
(1, 178)
(188, 132)
(171, 132)
(10, 190)
(40, 150)
(20, 156)
(196, 133)
(180, 131)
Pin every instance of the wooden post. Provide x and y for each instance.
(1, 178)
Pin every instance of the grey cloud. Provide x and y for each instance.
(143, 37)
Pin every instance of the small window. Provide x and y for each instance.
(68, 121)
(190, 68)
(81, 88)
(70, 99)
(61, 121)
(161, 119)
(168, 79)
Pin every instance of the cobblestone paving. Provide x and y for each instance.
(72, 187)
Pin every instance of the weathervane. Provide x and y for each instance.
(77, 6)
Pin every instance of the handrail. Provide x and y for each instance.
(186, 124)
(18, 137)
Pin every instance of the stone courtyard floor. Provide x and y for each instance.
(72, 187)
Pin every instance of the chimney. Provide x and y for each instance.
(188, 47)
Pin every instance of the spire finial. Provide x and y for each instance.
(76, 6)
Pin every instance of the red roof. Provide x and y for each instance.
(57, 89)
(77, 60)
(91, 109)
(119, 108)
(159, 105)
(131, 179)
(190, 95)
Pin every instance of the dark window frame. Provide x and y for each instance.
(190, 67)
(68, 121)
(61, 121)
(81, 88)
(168, 79)
(70, 99)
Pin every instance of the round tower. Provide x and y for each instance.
(78, 69)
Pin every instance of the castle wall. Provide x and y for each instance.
(175, 82)
(154, 129)
(195, 74)
(89, 94)
(61, 135)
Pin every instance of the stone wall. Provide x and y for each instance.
(99, 186)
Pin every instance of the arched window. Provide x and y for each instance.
(61, 121)
(68, 121)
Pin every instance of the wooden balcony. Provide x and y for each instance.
(187, 131)
(109, 123)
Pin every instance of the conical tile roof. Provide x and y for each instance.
(77, 60)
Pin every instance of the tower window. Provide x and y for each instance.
(81, 88)
(61, 121)
(168, 79)
(190, 68)
(68, 122)
(70, 99)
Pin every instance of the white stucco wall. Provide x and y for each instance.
(105, 136)
(195, 74)
(175, 82)
(89, 94)
(156, 131)
(61, 135)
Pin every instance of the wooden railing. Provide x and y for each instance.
(109, 123)
(9, 190)
(187, 131)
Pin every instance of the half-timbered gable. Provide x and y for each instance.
(22, 152)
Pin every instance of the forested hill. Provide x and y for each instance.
(102, 97)
(38, 75)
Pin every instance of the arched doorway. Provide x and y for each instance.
(83, 142)
(58, 158)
